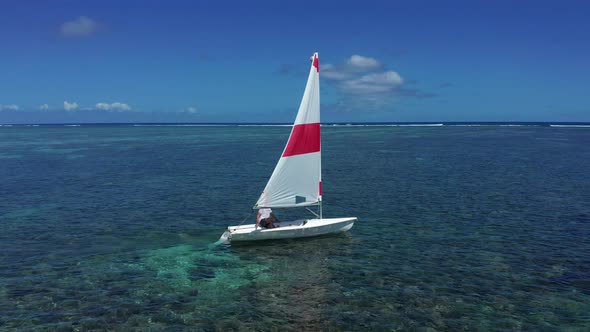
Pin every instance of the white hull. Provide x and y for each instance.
(289, 229)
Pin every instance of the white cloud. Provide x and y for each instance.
(373, 83)
(103, 106)
(360, 62)
(82, 26)
(11, 107)
(332, 72)
(354, 66)
(364, 82)
(70, 106)
(44, 107)
(116, 106)
(191, 110)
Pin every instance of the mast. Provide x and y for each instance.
(316, 63)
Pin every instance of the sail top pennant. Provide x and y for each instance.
(316, 62)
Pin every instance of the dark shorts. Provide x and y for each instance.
(263, 223)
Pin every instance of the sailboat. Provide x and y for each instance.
(297, 178)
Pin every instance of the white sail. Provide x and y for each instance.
(297, 178)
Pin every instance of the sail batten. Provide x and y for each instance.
(296, 179)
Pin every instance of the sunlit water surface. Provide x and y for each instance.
(460, 228)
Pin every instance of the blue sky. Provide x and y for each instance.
(247, 61)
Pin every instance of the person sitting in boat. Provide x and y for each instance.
(266, 218)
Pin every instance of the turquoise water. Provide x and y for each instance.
(460, 228)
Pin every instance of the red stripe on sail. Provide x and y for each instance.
(305, 138)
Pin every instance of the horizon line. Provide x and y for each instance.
(290, 123)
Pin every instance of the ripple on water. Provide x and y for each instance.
(459, 228)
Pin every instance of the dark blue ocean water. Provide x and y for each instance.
(460, 228)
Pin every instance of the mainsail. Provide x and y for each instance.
(297, 178)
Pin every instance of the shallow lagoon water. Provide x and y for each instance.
(460, 228)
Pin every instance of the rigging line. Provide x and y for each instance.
(315, 214)
(248, 216)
